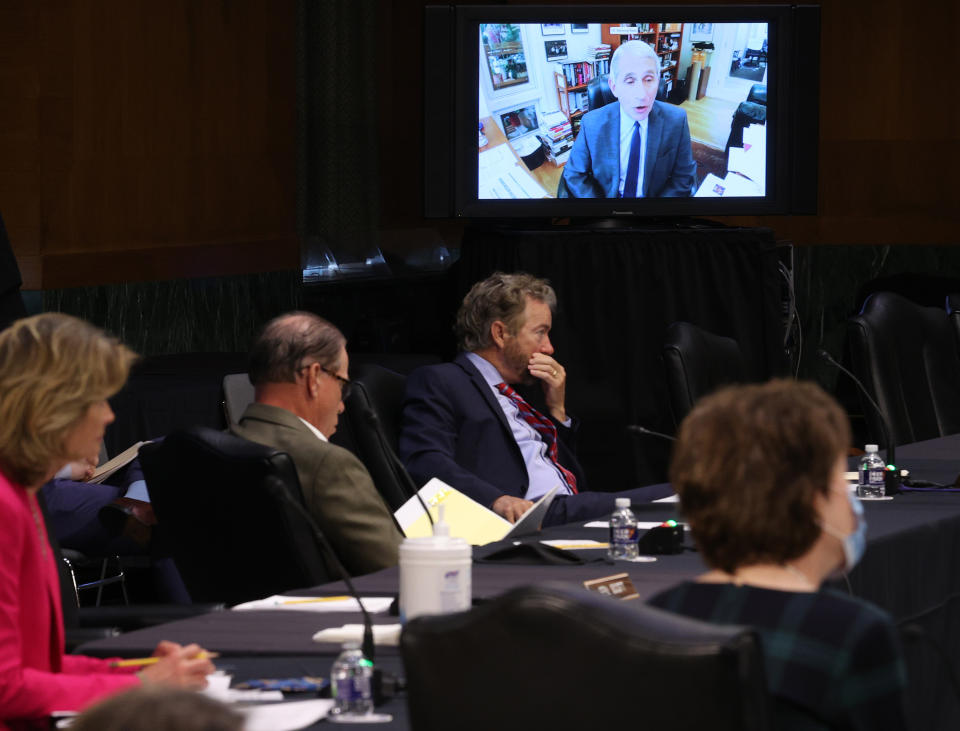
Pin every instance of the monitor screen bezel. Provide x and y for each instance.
(466, 105)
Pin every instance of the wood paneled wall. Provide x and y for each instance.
(147, 140)
(151, 140)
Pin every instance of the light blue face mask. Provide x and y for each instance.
(854, 544)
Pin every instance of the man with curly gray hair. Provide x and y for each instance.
(464, 423)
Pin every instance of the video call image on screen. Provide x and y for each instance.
(678, 111)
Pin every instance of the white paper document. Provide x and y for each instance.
(373, 604)
(285, 716)
(383, 634)
(574, 544)
(641, 525)
(502, 175)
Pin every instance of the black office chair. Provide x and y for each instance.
(238, 394)
(697, 363)
(224, 515)
(370, 428)
(751, 111)
(906, 356)
(598, 93)
(551, 656)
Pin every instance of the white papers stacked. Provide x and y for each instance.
(373, 604)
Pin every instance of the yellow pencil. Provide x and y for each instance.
(315, 600)
(142, 661)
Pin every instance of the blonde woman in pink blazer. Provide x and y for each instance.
(56, 373)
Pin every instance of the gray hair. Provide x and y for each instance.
(290, 342)
(500, 297)
(634, 48)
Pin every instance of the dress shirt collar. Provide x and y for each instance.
(314, 429)
(487, 369)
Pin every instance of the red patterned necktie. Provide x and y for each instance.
(544, 427)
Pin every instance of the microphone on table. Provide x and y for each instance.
(276, 486)
(637, 429)
(891, 478)
(374, 421)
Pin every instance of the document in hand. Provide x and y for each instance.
(121, 460)
(467, 518)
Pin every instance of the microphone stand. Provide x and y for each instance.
(275, 485)
(374, 421)
(637, 429)
(891, 478)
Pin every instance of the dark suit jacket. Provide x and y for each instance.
(336, 486)
(454, 429)
(593, 169)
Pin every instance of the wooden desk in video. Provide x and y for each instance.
(544, 178)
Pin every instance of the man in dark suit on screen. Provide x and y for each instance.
(464, 423)
(637, 148)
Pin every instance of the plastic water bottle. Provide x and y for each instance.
(623, 531)
(350, 681)
(871, 479)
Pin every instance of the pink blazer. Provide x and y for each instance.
(36, 677)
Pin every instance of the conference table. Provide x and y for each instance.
(909, 569)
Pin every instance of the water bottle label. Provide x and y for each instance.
(351, 690)
(874, 477)
(623, 534)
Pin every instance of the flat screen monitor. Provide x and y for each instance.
(626, 111)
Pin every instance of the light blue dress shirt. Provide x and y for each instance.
(542, 472)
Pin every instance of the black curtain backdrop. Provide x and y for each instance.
(617, 291)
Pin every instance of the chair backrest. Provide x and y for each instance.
(223, 519)
(906, 356)
(237, 396)
(380, 392)
(598, 92)
(697, 363)
(565, 658)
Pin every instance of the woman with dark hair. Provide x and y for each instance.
(759, 471)
(56, 373)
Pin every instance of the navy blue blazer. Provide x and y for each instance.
(593, 169)
(454, 429)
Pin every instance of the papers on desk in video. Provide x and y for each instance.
(503, 176)
(467, 518)
(746, 169)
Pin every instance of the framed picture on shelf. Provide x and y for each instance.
(551, 29)
(556, 50)
(579, 27)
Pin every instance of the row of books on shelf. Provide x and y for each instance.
(577, 73)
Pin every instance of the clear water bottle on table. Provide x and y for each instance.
(623, 531)
(871, 474)
(351, 683)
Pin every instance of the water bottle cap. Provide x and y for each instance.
(871, 448)
(622, 502)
